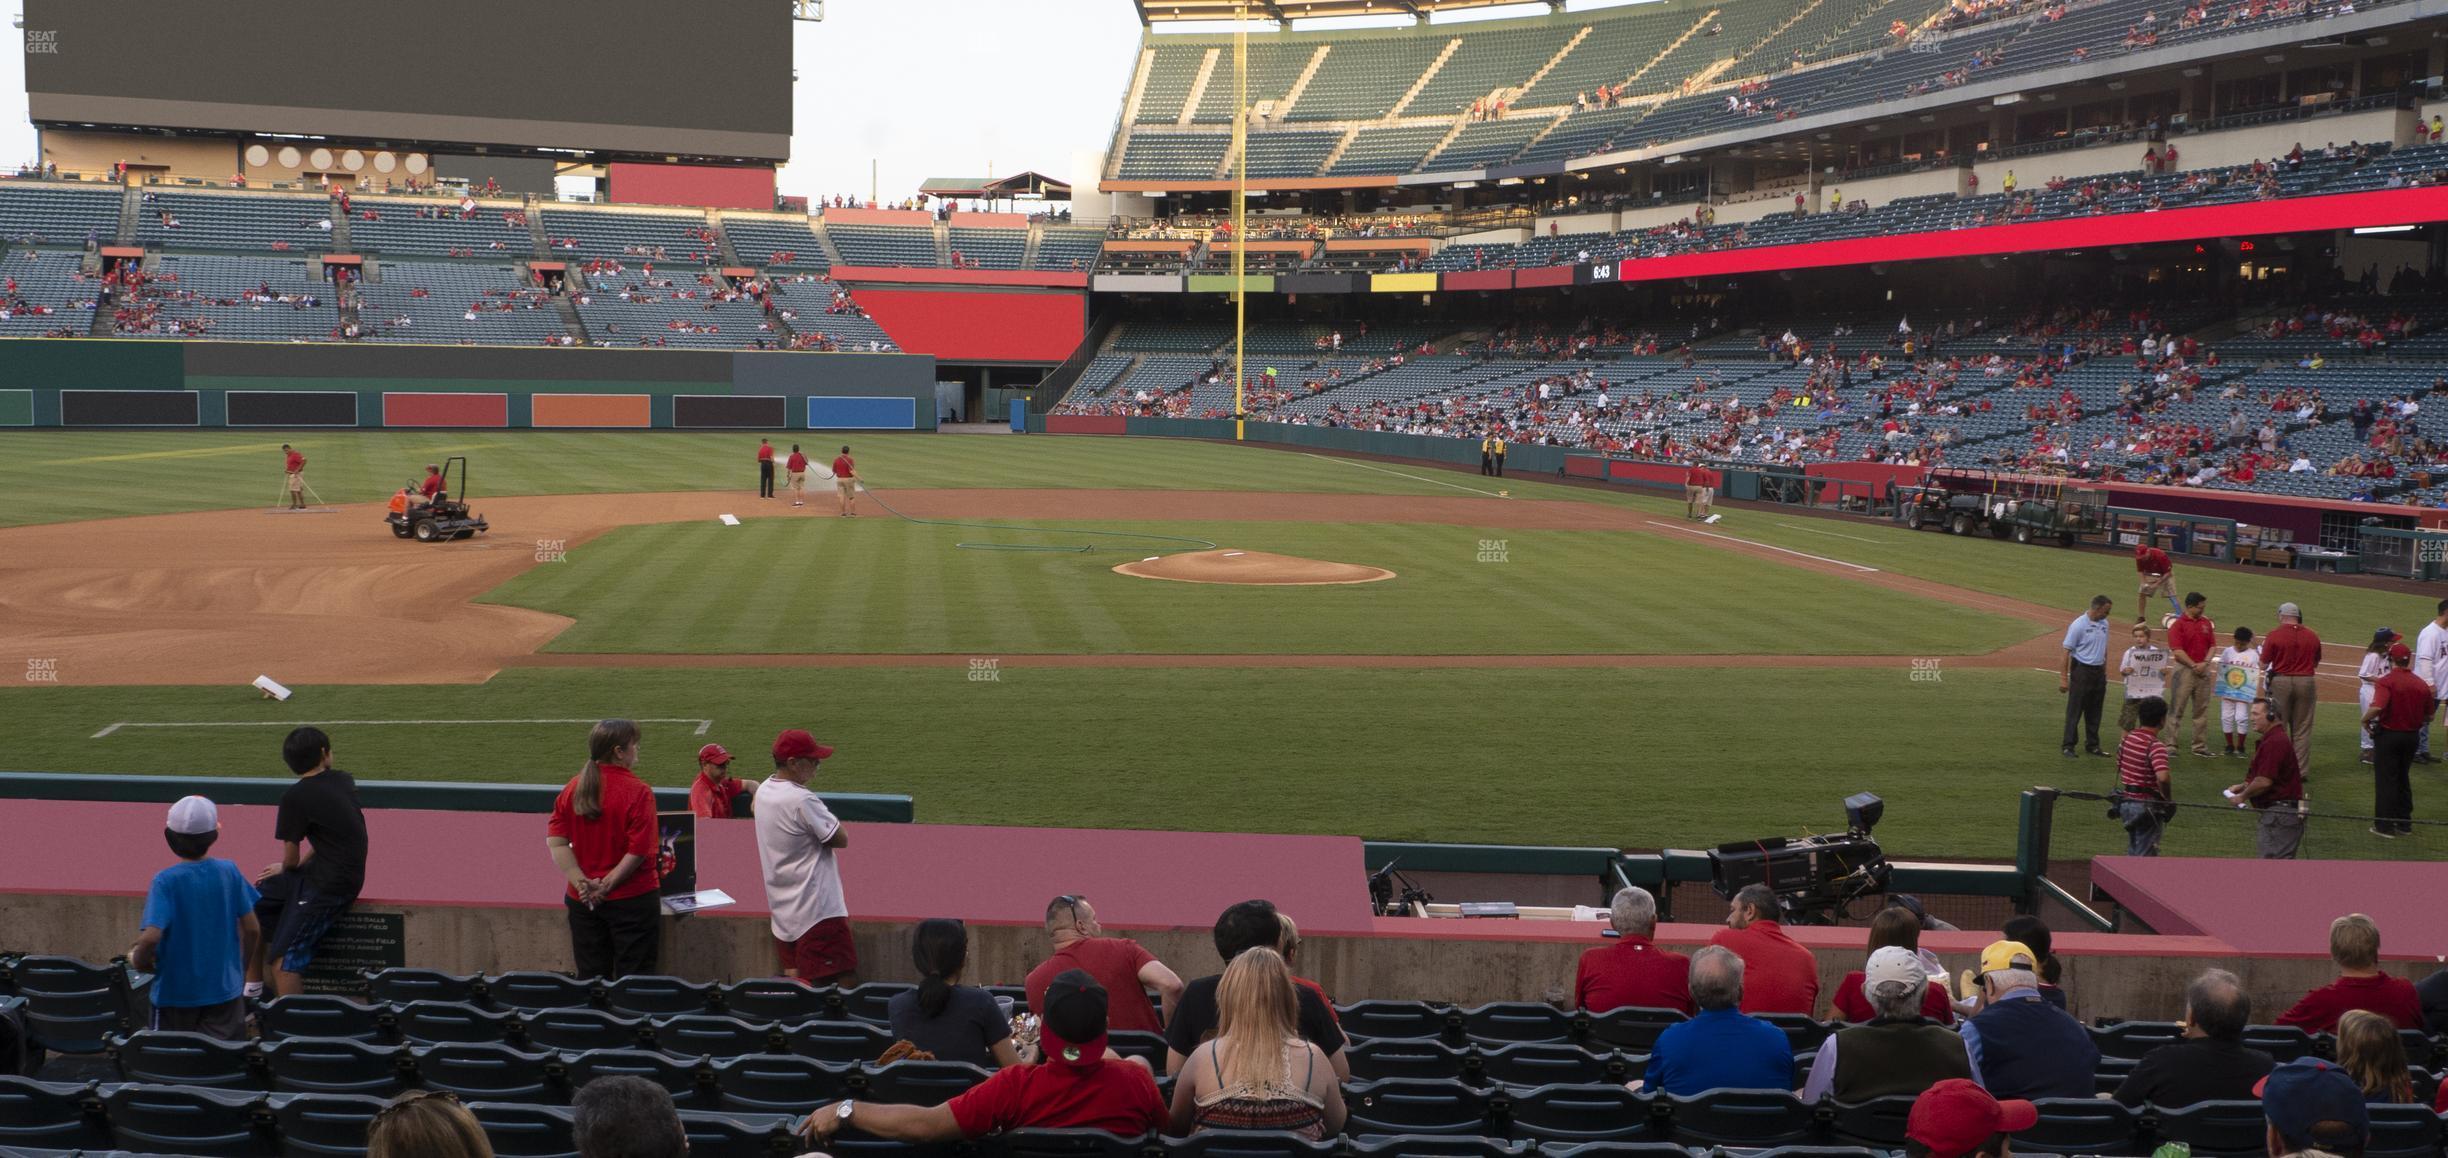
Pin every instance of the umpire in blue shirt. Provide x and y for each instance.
(2084, 678)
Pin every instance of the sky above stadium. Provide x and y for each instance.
(922, 88)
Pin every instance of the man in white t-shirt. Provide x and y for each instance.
(797, 837)
(2430, 663)
(2145, 668)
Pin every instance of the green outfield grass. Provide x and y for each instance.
(1635, 758)
(882, 585)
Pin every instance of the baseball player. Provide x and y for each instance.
(845, 481)
(293, 465)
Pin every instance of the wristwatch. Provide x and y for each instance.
(841, 1113)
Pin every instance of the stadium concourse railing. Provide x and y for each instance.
(433, 795)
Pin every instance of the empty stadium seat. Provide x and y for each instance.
(1032, 1143)
(2081, 1126)
(716, 1135)
(451, 1021)
(74, 1007)
(167, 1058)
(336, 1065)
(1143, 1044)
(779, 1083)
(1589, 1112)
(651, 996)
(780, 999)
(1878, 1123)
(191, 1121)
(838, 1041)
(523, 1130)
(488, 1073)
(681, 1078)
(714, 1035)
(1399, 1057)
(1541, 1064)
(1415, 1106)
(582, 1029)
(324, 1125)
(2132, 1039)
(1374, 1018)
(919, 1083)
(1246, 1144)
(2216, 1129)
(1802, 1032)
(1435, 1146)
(322, 1015)
(2399, 1131)
(1505, 1022)
(1744, 1118)
(1631, 1028)
(868, 1002)
(49, 1115)
(2284, 1043)
(536, 990)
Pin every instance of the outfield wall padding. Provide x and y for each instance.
(1086, 424)
(862, 414)
(130, 408)
(590, 410)
(456, 410)
(290, 408)
(731, 412)
(1519, 458)
(16, 408)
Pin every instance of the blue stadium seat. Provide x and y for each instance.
(1604, 1112)
(324, 1125)
(489, 1073)
(1631, 1028)
(2284, 1043)
(1740, 1118)
(2132, 1039)
(1506, 1022)
(656, 996)
(2081, 1126)
(838, 1041)
(917, 1083)
(1373, 1019)
(531, 989)
(1061, 1144)
(778, 1083)
(1397, 1057)
(1802, 1031)
(336, 1065)
(581, 1029)
(166, 1058)
(1245, 1144)
(400, 986)
(190, 1121)
(322, 1015)
(49, 1115)
(1877, 1123)
(1612, 1150)
(714, 1035)
(1436, 1146)
(1532, 1064)
(2398, 1131)
(434, 1022)
(519, 1130)
(2216, 1129)
(779, 999)
(867, 1002)
(2420, 1049)
(712, 1135)
(1414, 1106)
(74, 1007)
(1139, 1043)
(686, 1081)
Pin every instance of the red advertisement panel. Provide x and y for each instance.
(958, 326)
(446, 410)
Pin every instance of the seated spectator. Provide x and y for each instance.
(1894, 926)
(2313, 1108)
(426, 1124)
(2212, 1063)
(1958, 1119)
(1721, 1047)
(626, 1117)
(715, 794)
(1077, 1085)
(955, 1022)
(2371, 1053)
(1782, 976)
(1245, 926)
(2020, 1045)
(2354, 944)
(199, 930)
(1120, 965)
(2033, 934)
(1901, 1050)
(1258, 1073)
(1632, 971)
(2432, 991)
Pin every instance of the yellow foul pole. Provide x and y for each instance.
(1240, 213)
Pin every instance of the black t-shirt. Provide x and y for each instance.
(2199, 1070)
(322, 811)
(2433, 991)
(1194, 1019)
(965, 1031)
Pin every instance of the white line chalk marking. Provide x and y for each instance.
(702, 725)
(1400, 474)
(1764, 546)
(1829, 534)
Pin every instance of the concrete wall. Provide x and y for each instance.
(1577, 223)
(206, 158)
(1493, 237)
(1881, 190)
(2262, 142)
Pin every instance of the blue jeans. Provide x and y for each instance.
(2142, 827)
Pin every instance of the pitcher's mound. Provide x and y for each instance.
(1251, 567)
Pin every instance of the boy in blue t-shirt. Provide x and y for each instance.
(199, 930)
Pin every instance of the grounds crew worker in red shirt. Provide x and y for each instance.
(2400, 706)
(293, 467)
(796, 465)
(2273, 786)
(845, 481)
(764, 461)
(2192, 640)
(1779, 973)
(2291, 655)
(603, 836)
(2158, 577)
(433, 482)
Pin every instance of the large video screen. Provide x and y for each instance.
(709, 78)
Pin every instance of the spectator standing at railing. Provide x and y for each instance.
(2291, 653)
(798, 846)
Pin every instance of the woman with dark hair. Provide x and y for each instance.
(603, 836)
(955, 1022)
(2371, 1053)
(1896, 926)
(2034, 934)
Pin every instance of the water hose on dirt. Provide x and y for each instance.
(1142, 537)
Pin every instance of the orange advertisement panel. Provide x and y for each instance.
(634, 410)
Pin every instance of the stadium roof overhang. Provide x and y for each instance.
(1019, 185)
(1185, 11)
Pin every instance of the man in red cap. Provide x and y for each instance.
(2400, 706)
(1958, 1119)
(797, 837)
(1077, 1084)
(714, 793)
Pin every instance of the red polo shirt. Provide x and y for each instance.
(1633, 972)
(764, 452)
(2390, 997)
(797, 462)
(712, 800)
(1779, 973)
(1695, 477)
(431, 486)
(841, 466)
(2194, 635)
(2274, 757)
(2291, 649)
(2404, 700)
(1115, 962)
(2151, 561)
(627, 825)
(295, 463)
(1113, 1096)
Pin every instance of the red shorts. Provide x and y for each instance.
(820, 954)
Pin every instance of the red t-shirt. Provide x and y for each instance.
(2404, 700)
(2141, 761)
(1632, 972)
(431, 486)
(296, 462)
(626, 826)
(1117, 1097)
(2151, 561)
(1779, 973)
(1695, 477)
(797, 463)
(1115, 962)
(1851, 1005)
(2290, 649)
(2390, 997)
(2194, 635)
(841, 466)
(764, 452)
(713, 801)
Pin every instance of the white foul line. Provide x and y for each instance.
(702, 725)
(1399, 474)
(1765, 546)
(1830, 534)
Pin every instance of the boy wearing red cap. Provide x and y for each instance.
(1958, 1119)
(797, 837)
(713, 795)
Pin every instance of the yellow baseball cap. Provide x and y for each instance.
(2002, 955)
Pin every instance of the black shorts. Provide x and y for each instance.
(296, 917)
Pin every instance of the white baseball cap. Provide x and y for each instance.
(194, 816)
(1893, 963)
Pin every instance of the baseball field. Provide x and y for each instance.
(1548, 664)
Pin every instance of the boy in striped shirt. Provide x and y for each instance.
(2142, 779)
